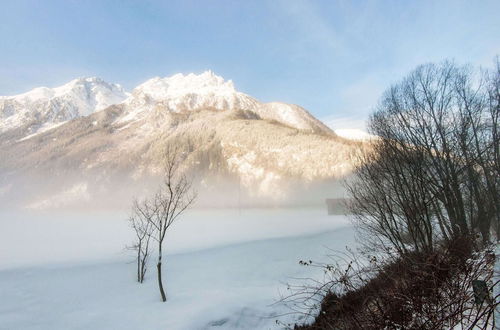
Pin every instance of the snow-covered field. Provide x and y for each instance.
(223, 270)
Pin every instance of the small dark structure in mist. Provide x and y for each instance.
(336, 206)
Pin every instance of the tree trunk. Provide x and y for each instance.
(138, 265)
(143, 268)
(160, 284)
(484, 229)
(158, 266)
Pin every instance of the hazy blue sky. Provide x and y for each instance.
(332, 57)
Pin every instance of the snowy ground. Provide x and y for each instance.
(224, 269)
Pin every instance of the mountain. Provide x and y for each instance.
(238, 149)
(43, 108)
(181, 93)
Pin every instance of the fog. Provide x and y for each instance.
(80, 192)
(41, 237)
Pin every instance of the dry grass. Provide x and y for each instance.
(426, 290)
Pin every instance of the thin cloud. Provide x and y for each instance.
(314, 31)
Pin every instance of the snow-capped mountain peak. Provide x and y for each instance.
(44, 93)
(192, 92)
(186, 92)
(45, 106)
(180, 84)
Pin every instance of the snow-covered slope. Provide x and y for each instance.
(268, 160)
(181, 93)
(42, 108)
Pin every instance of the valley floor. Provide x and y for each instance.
(224, 269)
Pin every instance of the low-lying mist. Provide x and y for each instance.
(116, 191)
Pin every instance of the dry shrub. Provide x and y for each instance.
(424, 290)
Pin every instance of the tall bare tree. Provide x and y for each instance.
(433, 172)
(174, 196)
(153, 216)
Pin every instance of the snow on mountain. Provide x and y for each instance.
(179, 85)
(44, 107)
(291, 115)
(190, 92)
(354, 134)
(272, 151)
(180, 93)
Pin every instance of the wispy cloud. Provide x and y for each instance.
(314, 31)
(356, 102)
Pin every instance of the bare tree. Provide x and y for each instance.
(433, 173)
(493, 86)
(141, 222)
(422, 193)
(174, 196)
(153, 216)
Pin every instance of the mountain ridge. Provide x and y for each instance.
(267, 152)
(42, 107)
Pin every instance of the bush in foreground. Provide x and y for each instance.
(419, 290)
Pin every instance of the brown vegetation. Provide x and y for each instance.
(418, 290)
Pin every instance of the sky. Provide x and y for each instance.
(334, 58)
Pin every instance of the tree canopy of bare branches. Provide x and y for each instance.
(433, 172)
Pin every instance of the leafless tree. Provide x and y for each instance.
(153, 216)
(493, 86)
(141, 222)
(424, 193)
(433, 173)
(174, 196)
